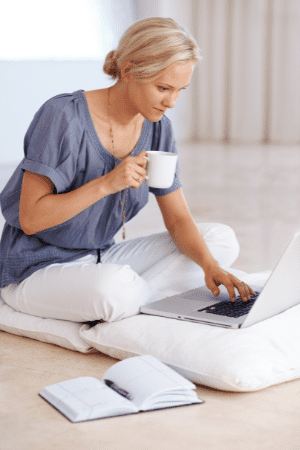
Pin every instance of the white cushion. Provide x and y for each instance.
(241, 360)
(248, 359)
(58, 332)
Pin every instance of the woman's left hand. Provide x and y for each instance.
(215, 275)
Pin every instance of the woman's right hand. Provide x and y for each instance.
(131, 172)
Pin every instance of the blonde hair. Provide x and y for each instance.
(150, 45)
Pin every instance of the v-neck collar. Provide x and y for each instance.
(94, 135)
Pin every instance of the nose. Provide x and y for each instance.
(169, 104)
(169, 101)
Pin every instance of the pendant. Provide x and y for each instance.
(123, 234)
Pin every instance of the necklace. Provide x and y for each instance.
(113, 153)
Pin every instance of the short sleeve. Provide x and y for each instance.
(52, 141)
(167, 143)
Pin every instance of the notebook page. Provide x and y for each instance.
(86, 398)
(144, 377)
(169, 399)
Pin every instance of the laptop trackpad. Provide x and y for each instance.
(202, 297)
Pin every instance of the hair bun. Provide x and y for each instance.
(110, 66)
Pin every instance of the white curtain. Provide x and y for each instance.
(247, 87)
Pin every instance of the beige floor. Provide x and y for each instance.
(256, 190)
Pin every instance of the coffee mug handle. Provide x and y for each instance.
(147, 164)
(146, 178)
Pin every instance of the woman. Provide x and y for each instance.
(82, 178)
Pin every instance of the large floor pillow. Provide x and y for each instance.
(234, 360)
(247, 359)
(240, 360)
(59, 332)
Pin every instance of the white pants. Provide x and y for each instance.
(130, 274)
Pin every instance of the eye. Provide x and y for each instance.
(163, 89)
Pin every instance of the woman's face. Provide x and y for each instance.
(152, 98)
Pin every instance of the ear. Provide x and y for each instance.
(125, 71)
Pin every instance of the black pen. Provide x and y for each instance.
(116, 388)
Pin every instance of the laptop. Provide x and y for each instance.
(281, 292)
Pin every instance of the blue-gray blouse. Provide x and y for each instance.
(62, 144)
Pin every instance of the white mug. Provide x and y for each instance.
(160, 168)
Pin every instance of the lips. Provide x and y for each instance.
(160, 110)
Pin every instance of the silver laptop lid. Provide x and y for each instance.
(282, 290)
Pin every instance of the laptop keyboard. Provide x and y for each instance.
(229, 309)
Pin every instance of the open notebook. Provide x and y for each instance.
(141, 383)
